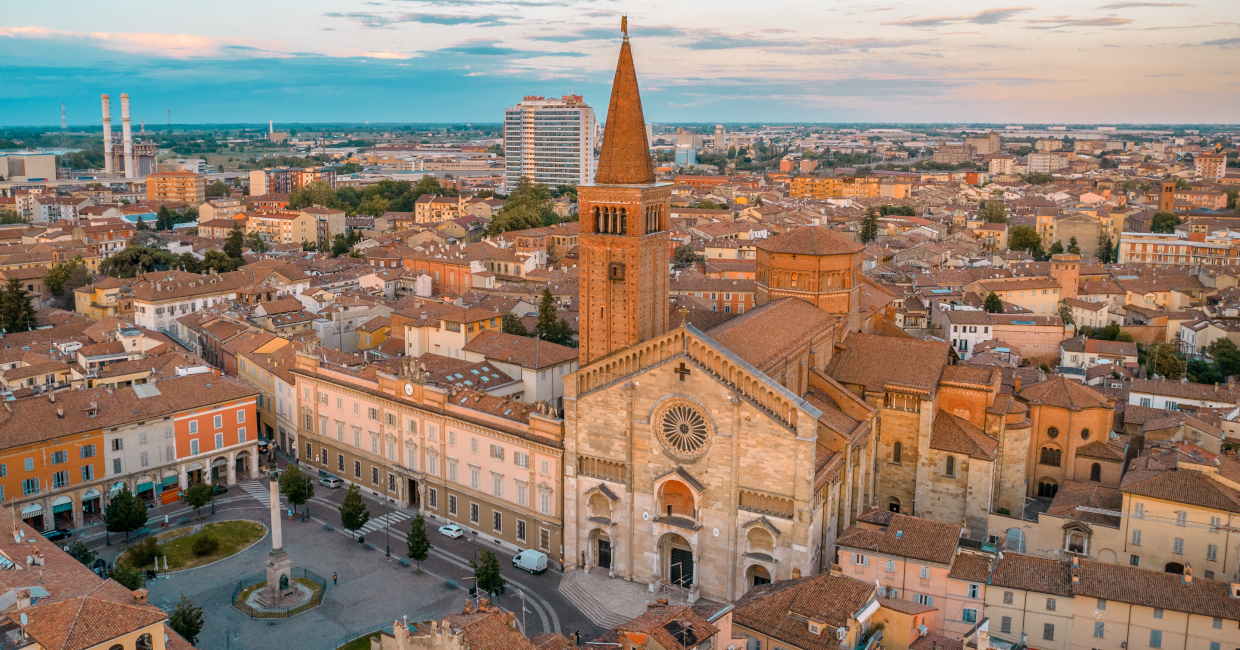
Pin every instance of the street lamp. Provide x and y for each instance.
(387, 525)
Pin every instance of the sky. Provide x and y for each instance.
(760, 61)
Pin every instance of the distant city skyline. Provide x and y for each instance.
(457, 61)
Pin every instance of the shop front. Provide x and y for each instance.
(32, 514)
(62, 512)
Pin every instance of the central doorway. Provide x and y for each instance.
(414, 497)
(680, 567)
(604, 553)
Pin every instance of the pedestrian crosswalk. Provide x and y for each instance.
(392, 518)
(259, 490)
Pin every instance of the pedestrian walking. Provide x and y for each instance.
(334, 577)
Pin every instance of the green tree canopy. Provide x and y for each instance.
(235, 243)
(313, 193)
(1065, 313)
(135, 260)
(217, 188)
(869, 225)
(1055, 249)
(684, 256)
(993, 304)
(1074, 247)
(1024, 238)
(1106, 249)
(1162, 360)
(63, 278)
(419, 545)
(353, 512)
(550, 326)
(197, 496)
(995, 211)
(296, 486)
(256, 243)
(529, 206)
(125, 513)
(127, 576)
(82, 553)
(16, 313)
(1164, 222)
(487, 575)
(1226, 355)
(11, 216)
(187, 620)
(513, 325)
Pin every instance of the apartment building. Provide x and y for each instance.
(826, 187)
(1047, 161)
(57, 209)
(549, 141)
(159, 298)
(282, 227)
(176, 187)
(61, 453)
(430, 208)
(105, 240)
(486, 463)
(1174, 249)
(283, 180)
(1211, 166)
(329, 222)
(444, 329)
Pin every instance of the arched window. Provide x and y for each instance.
(893, 504)
(143, 642)
(1050, 456)
(950, 466)
(1047, 489)
(1095, 472)
(895, 452)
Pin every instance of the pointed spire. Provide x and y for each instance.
(625, 156)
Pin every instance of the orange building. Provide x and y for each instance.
(449, 275)
(43, 472)
(815, 264)
(176, 187)
(213, 433)
(826, 187)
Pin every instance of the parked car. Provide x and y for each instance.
(451, 530)
(57, 534)
(330, 481)
(263, 445)
(218, 488)
(532, 561)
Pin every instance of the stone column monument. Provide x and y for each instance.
(280, 591)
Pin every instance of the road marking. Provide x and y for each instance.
(391, 518)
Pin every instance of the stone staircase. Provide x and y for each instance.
(607, 602)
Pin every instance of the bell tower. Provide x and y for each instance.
(625, 217)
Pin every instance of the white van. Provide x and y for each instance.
(531, 561)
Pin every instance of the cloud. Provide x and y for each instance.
(1062, 22)
(381, 21)
(387, 54)
(173, 45)
(1135, 5)
(496, 48)
(987, 17)
(610, 33)
(1225, 43)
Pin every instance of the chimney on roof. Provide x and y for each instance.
(139, 596)
(1016, 384)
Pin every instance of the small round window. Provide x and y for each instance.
(1084, 434)
(1052, 432)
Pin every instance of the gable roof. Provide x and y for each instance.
(1062, 392)
(906, 536)
(85, 622)
(957, 435)
(879, 361)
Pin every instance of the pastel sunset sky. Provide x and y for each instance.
(771, 61)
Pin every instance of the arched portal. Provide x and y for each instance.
(757, 575)
(676, 561)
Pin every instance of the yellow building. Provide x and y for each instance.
(282, 227)
(176, 187)
(373, 332)
(826, 187)
(102, 300)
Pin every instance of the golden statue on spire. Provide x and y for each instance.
(624, 25)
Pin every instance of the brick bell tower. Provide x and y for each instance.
(625, 218)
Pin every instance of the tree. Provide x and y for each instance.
(135, 260)
(125, 513)
(1024, 238)
(197, 496)
(313, 193)
(1065, 313)
(217, 188)
(487, 575)
(994, 212)
(684, 256)
(340, 245)
(81, 553)
(1073, 246)
(353, 512)
(529, 206)
(235, 242)
(63, 278)
(550, 326)
(1164, 222)
(16, 314)
(163, 219)
(11, 216)
(296, 487)
(1038, 178)
(869, 225)
(513, 325)
(1161, 360)
(187, 620)
(256, 243)
(993, 304)
(129, 577)
(419, 545)
(1055, 249)
(901, 210)
(1105, 249)
(1226, 355)
(218, 261)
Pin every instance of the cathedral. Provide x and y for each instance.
(717, 460)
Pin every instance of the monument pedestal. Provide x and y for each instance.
(280, 590)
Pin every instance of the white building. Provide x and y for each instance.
(549, 141)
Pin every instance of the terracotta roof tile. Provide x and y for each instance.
(1064, 393)
(905, 536)
(957, 435)
(876, 361)
(811, 240)
(779, 610)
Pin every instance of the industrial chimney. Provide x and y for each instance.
(107, 134)
(127, 136)
(271, 126)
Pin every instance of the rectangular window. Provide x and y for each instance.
(452, 504)
(522, 494)
(1005, 625)
(1178, 546)
(219, 441)
(544, 467)
(357, 469)
(193, 447)
(928, 601)
(1140, 510)
(968, 615)
(1136, 537)
(544, 502)
(1099, 630)
(473, 445)
(1048, 631)
(925, 572)
(1050, 604)
(30, 486)
(473, 512)
(372, 413)
(974, 590)
(521, 459)
(473, 477)
(241, 416)
(1158, 612)
(339, 404)
(340, 463)
(60, 479)
(891, 566)
(860, 560)
(4, 469)
(1181, 517)
(193, 428)
(1217, 623)
(218, 421)
(340, 431)
(58, 457)
(1007, 598)
(451, 438)
(143, 460)
(88, 473)
(29, 463)
(1155, 638)
(497, 485)
(520, 530)
(497, 521)
(391, 482)
(87, 451)
(497, 452)
(432, 497)
(391, 419)
(1102, 605)
(240, 435)
(374, 444)
(452, 470)
(374, 475)
(1212, 552)
(1215, 645)
(116, 466)
(544, 540)
(1215, 524)
(1134, 560)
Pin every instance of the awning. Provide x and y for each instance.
(116, 487)
(170, 480)
(144, 486)
(32, 510)
(220, 462)
(63, 507)
(90, 494)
